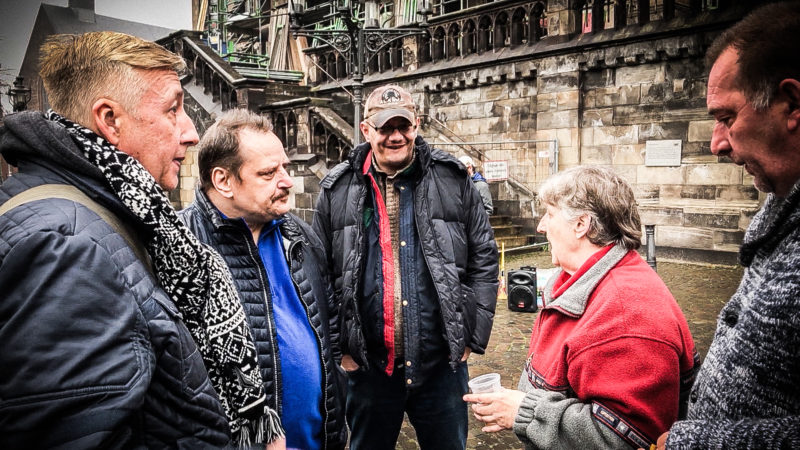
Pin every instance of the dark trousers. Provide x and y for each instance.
(376, 403)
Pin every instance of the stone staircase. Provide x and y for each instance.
(508, 233)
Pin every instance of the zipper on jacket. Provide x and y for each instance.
(292, 245)
(273, 342)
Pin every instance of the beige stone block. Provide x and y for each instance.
(700, 130)
(628, 134)
(495, 92)
(489, 125)
(186, 170)
(650, 73)
(568, 99)
(598, 117)
(189, 157)
(713, 174)
(195, 170)
(470, 95)
(546, 102)
(627, 154)
(656, 215)
(587, 136)
(546, 134)
(188, 183)
(615, 96)
(659, 175)
(596, 154)
(299, 185)
(557, 119)
(671, 236)
(567, 136)
(568, 156)
(627, 172)
(186, 196)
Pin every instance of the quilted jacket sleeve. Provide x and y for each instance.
(75, 362)
(482, 267)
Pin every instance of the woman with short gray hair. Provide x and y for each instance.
(611, 355)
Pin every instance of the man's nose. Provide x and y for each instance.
(720, 141)
(286, 180)
(188, 132)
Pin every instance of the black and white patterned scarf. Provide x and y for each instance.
(200, 284)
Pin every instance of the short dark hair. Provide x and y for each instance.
(766, 41)
(602, 195)
(219, 146)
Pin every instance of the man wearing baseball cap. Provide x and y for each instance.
(414, 268)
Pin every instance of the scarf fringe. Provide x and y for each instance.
(263, 430)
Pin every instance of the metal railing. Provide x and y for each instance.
(529, 162)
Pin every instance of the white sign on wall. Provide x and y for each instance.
(666, 152)
(495, 170)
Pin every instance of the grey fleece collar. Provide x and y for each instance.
(573, 300)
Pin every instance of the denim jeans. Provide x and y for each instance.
(376, 403)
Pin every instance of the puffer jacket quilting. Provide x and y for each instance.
(95, 353)
(457, 242)
(233, 240)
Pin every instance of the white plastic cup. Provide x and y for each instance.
(486, 383)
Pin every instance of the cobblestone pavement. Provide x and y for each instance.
(700, 291)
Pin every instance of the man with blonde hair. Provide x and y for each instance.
(105, 292)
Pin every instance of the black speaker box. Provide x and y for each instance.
(522, 290)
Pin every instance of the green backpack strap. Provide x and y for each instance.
(69, 192)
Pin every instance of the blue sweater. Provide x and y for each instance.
(301, 375)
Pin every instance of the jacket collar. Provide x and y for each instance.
(358, 156)
(771, 224)
(573, 295)
(287, 223)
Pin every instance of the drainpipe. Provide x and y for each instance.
(650, 231)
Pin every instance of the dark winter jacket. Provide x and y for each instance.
(94, 353)
(458, 254)
(234, 241)
(747, 393)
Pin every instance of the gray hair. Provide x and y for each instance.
(604, 197)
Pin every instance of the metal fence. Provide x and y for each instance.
(529, 162)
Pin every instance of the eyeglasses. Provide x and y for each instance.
(388, 130)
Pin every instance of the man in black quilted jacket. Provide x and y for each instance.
(241, 209)
(414, 268)
(97, 320)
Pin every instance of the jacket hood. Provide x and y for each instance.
(44, 150)
(29, 136)
(478, 177)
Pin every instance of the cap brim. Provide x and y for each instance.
(380, 118)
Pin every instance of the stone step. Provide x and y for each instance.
(507, 230)
(499, 220)
(515, 241)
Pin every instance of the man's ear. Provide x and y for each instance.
(790, 89)
(106, 116)
(222, 180)
(364, 126)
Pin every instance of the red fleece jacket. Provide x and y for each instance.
(626, 351)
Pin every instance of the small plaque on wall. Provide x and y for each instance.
(666, 152)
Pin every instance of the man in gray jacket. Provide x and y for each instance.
(480, 183)
(746, 394)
